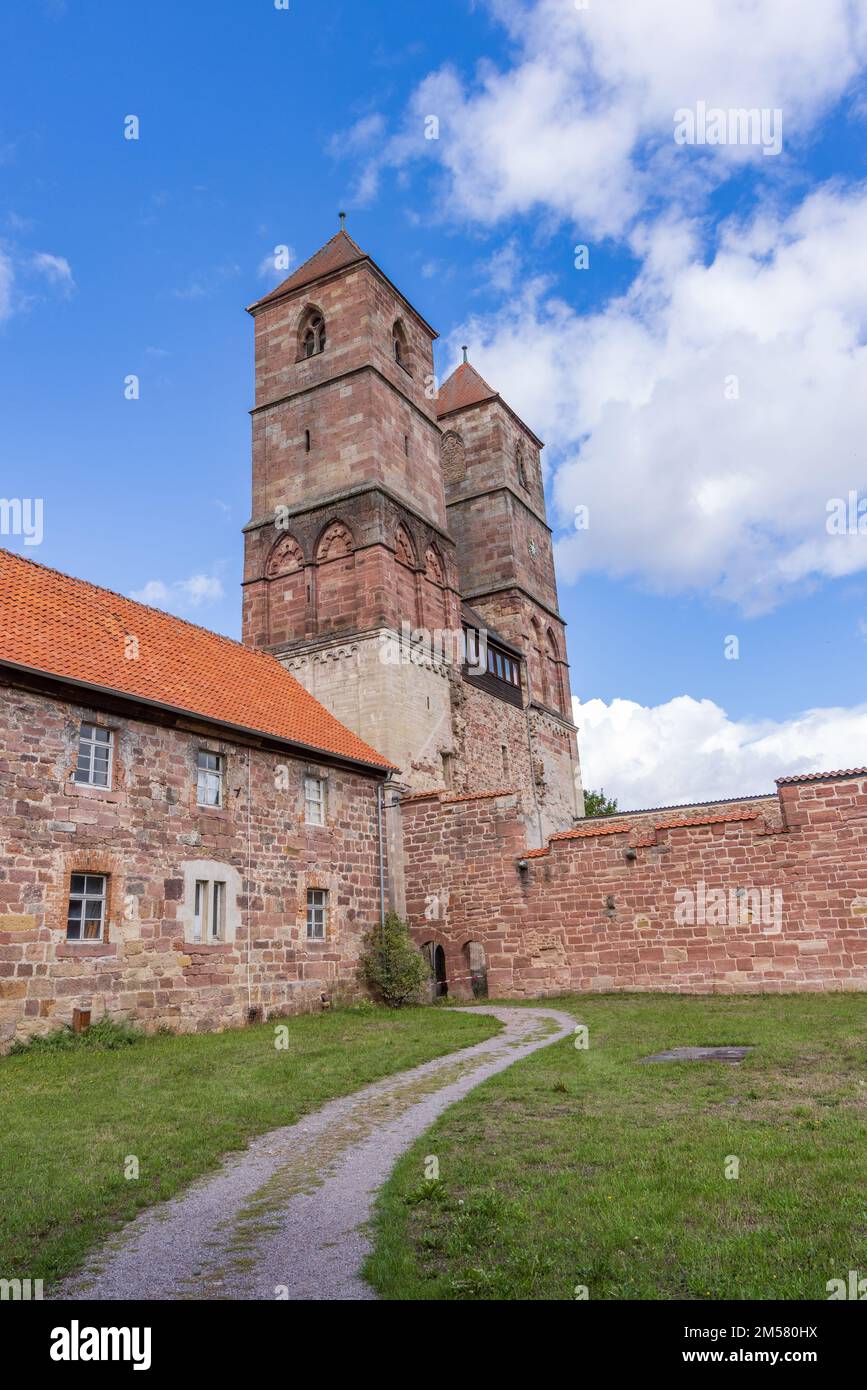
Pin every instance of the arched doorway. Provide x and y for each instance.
(436, 959)
(478, 969)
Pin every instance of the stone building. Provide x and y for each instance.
(398, 559)
(186, 837)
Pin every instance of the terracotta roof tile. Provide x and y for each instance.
(720, 818)
(336, 254)
(822, 776)
(596, 826)
(68, 628)
(464, 387)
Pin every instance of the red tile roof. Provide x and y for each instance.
(464, 387)
(822, 776)
(336, 254)
(67, 628)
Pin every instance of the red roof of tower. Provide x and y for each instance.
(72, 630)
(464, 387)
(336, 254)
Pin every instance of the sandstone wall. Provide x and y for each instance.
(733, 900)
(149, 837)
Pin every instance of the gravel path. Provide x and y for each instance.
(286, 1218)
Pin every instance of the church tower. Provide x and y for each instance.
(347, 549)
(398, 559)
(495, 503)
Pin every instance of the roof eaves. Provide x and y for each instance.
(385, 767)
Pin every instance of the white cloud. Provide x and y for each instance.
(690, 750)
(182, 595)
(56, 269)
(582, 122)
(687, 489)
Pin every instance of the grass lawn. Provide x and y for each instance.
(70, 1119)
(586, 1168)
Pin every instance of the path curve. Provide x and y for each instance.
(286, 1218)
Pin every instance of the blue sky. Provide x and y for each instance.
(707, 513)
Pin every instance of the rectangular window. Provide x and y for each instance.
(94, 756)
(317, 908)
(201, 909)
(209, 911)
(218, 914)
(314, 800)
(209, 791)
(85, 920)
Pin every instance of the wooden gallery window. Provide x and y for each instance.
(503, 666)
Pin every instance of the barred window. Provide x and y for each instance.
(94, 756)
(85, 919)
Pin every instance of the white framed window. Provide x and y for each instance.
(85, 918)
(317, 913)
(209, 911)
(314, 800)
(209, 790)
(95, 746)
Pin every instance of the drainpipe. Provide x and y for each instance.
(379, 787)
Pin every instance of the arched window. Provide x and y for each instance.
(312, 337)
(400, 346)
(554, 683)
(521, 462)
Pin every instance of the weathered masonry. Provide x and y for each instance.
(398, 558)
(186, 838)
(768, 894)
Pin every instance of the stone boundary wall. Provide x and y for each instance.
(746, 898)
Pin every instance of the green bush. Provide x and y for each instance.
(392, 965)
(104, 1036)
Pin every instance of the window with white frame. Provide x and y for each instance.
(209, 791)
(93, 768)
(317, 913)
(314, 800)
(209, 912)
(85, 918)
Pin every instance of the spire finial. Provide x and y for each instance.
(464, 351)
(342, 216)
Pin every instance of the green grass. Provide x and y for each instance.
(70, 1118)
(586, 1168)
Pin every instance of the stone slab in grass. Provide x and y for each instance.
(700, 1054)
